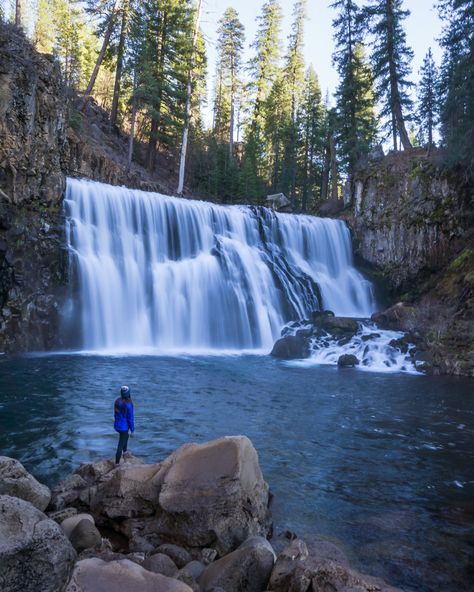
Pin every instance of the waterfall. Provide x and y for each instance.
(153, 271)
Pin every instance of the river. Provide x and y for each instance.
(380, 464)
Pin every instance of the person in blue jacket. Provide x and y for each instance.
(124, 421)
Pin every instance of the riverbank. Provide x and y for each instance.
(198, 521)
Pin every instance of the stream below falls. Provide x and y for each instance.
(380, 464)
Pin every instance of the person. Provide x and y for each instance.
(124, 420)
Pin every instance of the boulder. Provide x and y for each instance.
(85, 535)
(348, 361)
(194, 569)
(337, 326)
(162, 564)
(179, 555)
(70, 523)
(291, 347)
(213, 494)
(17, 482)
(95, 575)
(202, 495)
(35, 554)
(319, 567)
(399, 317)
(247, 569)
(61, 515)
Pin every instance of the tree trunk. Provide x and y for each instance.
(332, 152)
(231, 124)
(119, 67)
(132, 123)
(187, 110)
(18, 15)
(325, 174)
(100, 57)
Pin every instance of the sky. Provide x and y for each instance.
(423, 27)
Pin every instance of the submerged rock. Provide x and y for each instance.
(347, 361)
(291, 347)
(16, 481)
(35, 554)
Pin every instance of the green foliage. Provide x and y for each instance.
(391, 58)
(427, 99)
(356, 121)
(457, 81)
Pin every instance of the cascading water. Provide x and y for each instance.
(172, 274)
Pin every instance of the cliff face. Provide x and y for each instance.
(409, 218)
(32, 135)
(413, 222)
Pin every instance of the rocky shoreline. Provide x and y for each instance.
(199, 521)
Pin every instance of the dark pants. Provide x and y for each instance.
(122, 445)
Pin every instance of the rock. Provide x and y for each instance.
(213, 494)
(337, 326)
(321, 568)
(399, 317)
(247, 569)
(61, 515)
(179, 555)
(95, 575)
(162, 564)
(35, 554)
(85, 535)
(194, 569)
(17, 482)
(291, 347)
(347, 361)
(205, 495)
(208, 555)
(69, 524)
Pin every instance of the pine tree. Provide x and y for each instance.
(427, 99)
(44, 27)
(355, 95)
(124, 26)
(457, 81)
(312, 129)
(229, 48)
(263, 72)
(293, 80)
(391, 59)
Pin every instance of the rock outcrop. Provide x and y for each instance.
(204, 495)
(17, 482)
(33, 263)
(35, 554)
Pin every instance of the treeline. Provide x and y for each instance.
(272, 130)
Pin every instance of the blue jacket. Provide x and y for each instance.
(123, 413)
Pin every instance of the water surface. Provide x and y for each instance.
(381, 464)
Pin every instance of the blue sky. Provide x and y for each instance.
(423, 27)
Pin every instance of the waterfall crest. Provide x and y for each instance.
(154, 271)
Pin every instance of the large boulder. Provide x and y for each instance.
(203, 495)
(95, 575)
(318, 568)
(347, 361)
(85, 535)
(35, 554)
(247, 569)
(17, 482)
(291, 347)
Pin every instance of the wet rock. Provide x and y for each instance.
(17, 482)
(399, 317)
(347, 361)
(95, 575)
(247, 569)
(321, 567)
(35, 554)
(162, 564)
(85, 535)
(291, 347)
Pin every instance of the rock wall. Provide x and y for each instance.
(409, 217)
(33, 264)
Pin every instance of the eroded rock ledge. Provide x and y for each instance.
(196, 522)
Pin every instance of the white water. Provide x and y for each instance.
(157, 272)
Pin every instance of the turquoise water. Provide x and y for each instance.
(381, 464)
